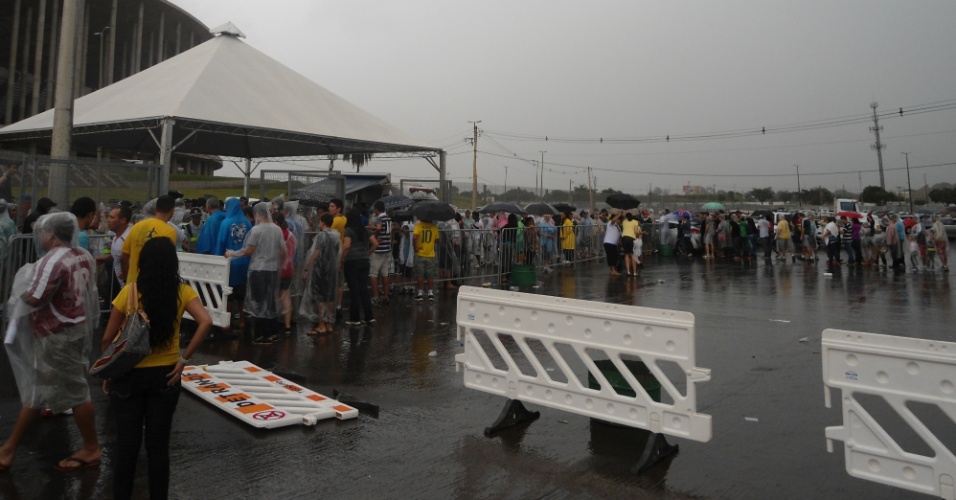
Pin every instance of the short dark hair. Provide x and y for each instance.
(339, 203)
(125, 212)
(279, 220)
(327, 220)
(165, 204)
(380, 206)
(82, 207)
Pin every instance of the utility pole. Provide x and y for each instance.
(474, 167)
(859, 174)
(878, 146)
(799, 191)
(590, 192)
(506, 181)
(909, 186)
(542, 173)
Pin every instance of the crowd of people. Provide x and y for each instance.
(277, 248)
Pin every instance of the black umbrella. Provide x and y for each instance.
(766, 213)
(622, 201)
(510, 208)
(433, 211)
(540, 208)
(564, 207)
(396, 202)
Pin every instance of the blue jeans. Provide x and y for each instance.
(142, 397)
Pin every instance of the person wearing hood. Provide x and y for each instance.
(50, 352)
(206, 244)
(232, 235)
(939, 233)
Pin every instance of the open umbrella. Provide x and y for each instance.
(713, 206)
(433, 211)
(510, 208)
(622, 201)
(564, 207)
(849, 214)
(540, 208)
(396, 202)
(765, 213)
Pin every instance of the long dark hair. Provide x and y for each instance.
(158, 285)
(353, 221)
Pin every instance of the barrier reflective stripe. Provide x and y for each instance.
(260, 398)
(563, 332)
(905, 372)
(209, 276)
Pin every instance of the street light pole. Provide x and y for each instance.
(909, 187)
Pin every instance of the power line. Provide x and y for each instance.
(737, 133)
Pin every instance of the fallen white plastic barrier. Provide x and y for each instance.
(259, 397)
(620, 332)
(903, 371)
(209, 276)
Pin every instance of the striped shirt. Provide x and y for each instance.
(384, 234)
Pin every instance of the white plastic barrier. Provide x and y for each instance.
(901, 370)
(653, 335)
(259, 397)
(209, 276)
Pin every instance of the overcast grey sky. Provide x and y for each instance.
(632, 70)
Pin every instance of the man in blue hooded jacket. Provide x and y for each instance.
(209, 234)
(232, 234)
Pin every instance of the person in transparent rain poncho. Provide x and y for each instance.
(321, 276)
(53, 317)
(266, 250)
(8, 229)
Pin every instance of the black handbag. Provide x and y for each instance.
(130, 345)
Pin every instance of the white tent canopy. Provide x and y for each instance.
(225, 98)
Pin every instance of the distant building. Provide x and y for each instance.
(116, 39)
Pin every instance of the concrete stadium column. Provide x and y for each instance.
(160, 53)
(12, 69)
(79, 65)
(51, 55)
(138, 42)
(38, 59)
(63, 112)
(179, 37)
(25, 65)
(111, 59)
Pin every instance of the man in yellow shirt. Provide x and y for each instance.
(154, 227)
(424, 239)
(784, 243)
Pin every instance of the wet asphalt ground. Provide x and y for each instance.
(427, 441)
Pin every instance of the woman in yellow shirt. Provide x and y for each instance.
(146, 397)
(629, 231)
(567, 238)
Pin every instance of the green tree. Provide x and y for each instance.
(877, 195)
(943, 195)
(818, 195)
(762, 194)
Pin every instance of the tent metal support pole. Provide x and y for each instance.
(165, 154)
(445, 193)
(247, 174)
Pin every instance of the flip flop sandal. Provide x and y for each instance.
(81, 464)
